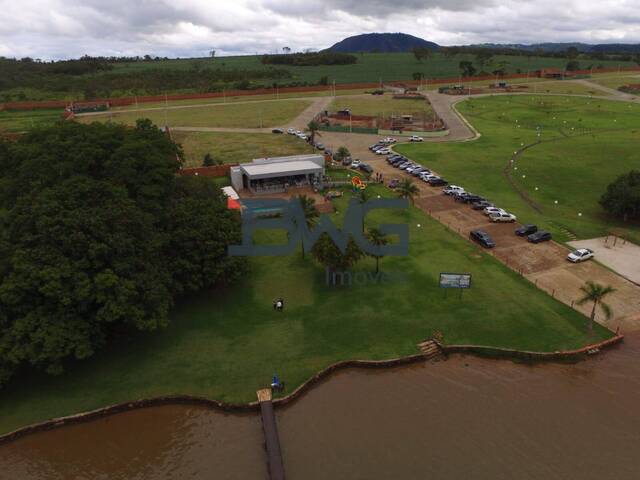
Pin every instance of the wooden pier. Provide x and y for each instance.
(271, 437)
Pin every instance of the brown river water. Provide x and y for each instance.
(464, 418)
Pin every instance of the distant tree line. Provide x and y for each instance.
(310, 59)
(99, 238)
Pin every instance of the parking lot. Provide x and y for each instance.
(544, 264)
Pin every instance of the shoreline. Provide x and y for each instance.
(575, 355)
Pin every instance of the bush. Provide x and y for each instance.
(622, 198)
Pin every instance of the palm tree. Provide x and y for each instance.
(407, 189)
(363, 197)
(342, 153)
(313, 128)
(594, 292)
(379, 239)
(310, 211)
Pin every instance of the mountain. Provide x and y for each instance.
(381, 42)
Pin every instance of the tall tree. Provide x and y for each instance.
(379, 239)
(313, 128)
(98, 235)
(310, 211)
(622, 198)
(467, 69)
(594, 292)
(327, 253)
(407, 189)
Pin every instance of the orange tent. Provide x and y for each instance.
(233, 204)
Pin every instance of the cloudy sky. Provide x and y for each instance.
(51, 29)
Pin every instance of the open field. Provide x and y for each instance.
(237, 147)
(244, 115)
(382, 105)
(616, 81)
(585, 145)
(19, 121)
(371, 67)
(226, 344)
(242, 98)
(533, 85)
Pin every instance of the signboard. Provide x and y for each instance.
(455, 280)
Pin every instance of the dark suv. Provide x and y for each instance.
(539, 236)
(526, 230)
(482, 238)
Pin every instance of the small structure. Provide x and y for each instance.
(274, 175)
(554, 73)
(87, 107)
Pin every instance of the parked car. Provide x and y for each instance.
(526, 230)
(428, 177)
(437, 182)
(489, 210)
(319, 146)
(277, 130)
(396, 163)
(383, 151)
(502, 217)
(539, 236)
(412, 168)
(481, 205)
(291, 131)
(388, 141)
(418, 171)
(346, 161)
(483, 238)
(355, 163)
(366, 168)
(580, 255)
(375, 146)
(302, 136)
(471, 198)
(393, 183)
(415, 138)
(451, 189)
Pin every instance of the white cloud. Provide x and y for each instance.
(69, 28)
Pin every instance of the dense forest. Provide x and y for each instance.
(99, 238)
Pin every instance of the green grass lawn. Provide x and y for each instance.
(238, 147)
(586, 145)
(371, 67)
(326, 92)
(18, 121)
(616, 81)
(382, 105)
(228, 343)
(246, 115)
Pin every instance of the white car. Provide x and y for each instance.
(502, 217)
(388, 140)
(580, 255)
(302, 136)
(383, 151)
(452, 189)
(490, 210)
(355, 164)
(414, 167)
(291, 131)
(427, 176)
(415, 138)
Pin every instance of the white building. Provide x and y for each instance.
(269, 175)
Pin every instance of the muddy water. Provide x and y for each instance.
(465, 418)
(156, 443)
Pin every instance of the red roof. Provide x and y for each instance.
(233, 204)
